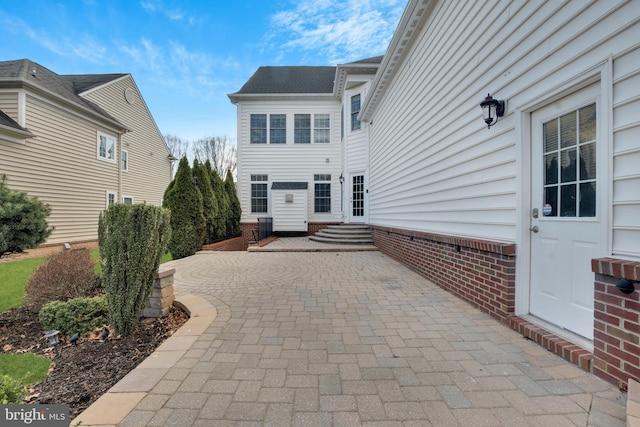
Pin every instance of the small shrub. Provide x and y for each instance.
(64, 275)
(23, 220)
(11, 390)
(79, 315)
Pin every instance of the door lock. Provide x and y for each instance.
(535, 212)
(535, 229)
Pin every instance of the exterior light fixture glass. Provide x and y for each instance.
(491, 110)
(54, 340)
(341, 179)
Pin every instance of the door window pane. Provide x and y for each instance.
(588, 123)
(588, 161)
(568, 165)
(551, 168)
(550, 131)
(588, 199)
(568, 200)
(551, 198)
(568, 130)
(570, 141)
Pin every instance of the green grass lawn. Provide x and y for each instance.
(15, 275)
(27, 368)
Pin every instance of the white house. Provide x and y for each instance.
(515, 218)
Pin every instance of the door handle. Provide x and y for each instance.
(535, 229)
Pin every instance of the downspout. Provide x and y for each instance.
(119, 163)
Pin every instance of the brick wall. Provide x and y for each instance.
(235, 244)
(616, 341)
(480, 272)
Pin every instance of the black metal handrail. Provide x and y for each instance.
(264, 228)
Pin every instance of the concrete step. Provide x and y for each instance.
(351, 241)
(344, 234)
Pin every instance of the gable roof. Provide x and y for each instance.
(290, 80)
(65, 87)
(10, 125)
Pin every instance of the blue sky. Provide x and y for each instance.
(186, 56)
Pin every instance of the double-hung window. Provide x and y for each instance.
(277, 128)
(106, 147)
(124, 160)
(258, 128)
(355, 110)
(302, 129)
(321, 129)
(322, 193)
(259, 193)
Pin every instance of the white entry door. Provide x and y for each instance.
(357, 199)
(567, 227)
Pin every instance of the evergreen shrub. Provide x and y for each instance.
(132, 239)
(78, 315)
(23, 223)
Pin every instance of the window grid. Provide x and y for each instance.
(355, 110)
(322, 128)
(302, 129)
(278, 128)
(259, 193)
(570, 164)
(106, 148)
(258, 128)
(322, 193)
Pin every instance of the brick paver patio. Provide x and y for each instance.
(355, 338)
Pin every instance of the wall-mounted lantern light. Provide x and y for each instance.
(491, 110)
(341, 179)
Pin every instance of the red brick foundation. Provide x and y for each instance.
(480, 272)
(235, 244)
(247, 227)
(616, 334)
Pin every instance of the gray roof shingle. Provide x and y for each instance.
(287, 80)
(65, 86)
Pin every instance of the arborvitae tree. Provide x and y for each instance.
(23, 220)
(209, 202)
(222, 198)
(234, 204)
(184, 200)
(132, 239)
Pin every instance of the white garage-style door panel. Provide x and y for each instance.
(567, 229)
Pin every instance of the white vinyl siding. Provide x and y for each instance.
(440, 169)
(288, 162)
(626, 154)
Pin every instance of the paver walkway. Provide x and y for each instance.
(355, 338)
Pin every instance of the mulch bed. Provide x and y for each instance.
(81, 374)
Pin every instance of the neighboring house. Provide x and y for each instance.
(78, 143)
(515, 219)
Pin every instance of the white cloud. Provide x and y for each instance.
(80, 46)
(157, 6)
(342, 30)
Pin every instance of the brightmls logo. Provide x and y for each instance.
(34, 415)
